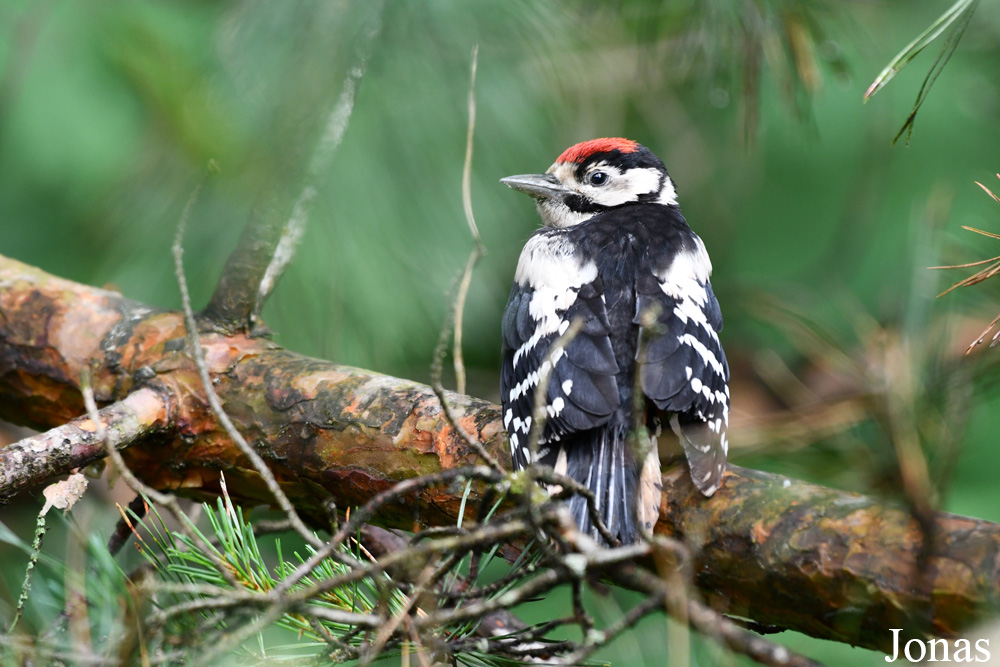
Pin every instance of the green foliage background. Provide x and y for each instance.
(111, 112)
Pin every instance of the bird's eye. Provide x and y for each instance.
(598, 178)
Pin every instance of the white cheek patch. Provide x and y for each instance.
(668, 195)
(642, 181)
(623, 187)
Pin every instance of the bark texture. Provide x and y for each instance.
(76, 444)
(831, 564)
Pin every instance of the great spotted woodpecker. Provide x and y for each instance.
(616, 254)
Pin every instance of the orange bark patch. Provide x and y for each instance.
(311, 385)
(77, 332)
(761, 532)
(223, 352)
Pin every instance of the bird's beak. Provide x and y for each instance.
(539, 186)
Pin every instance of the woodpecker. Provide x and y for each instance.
(615, 254)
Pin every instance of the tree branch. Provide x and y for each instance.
(779, 551)
(280, 214)
(76, 444)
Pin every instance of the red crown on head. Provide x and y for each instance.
(584, 150)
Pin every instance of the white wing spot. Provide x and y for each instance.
(521, 388)
(528, 345)
(688, 265)
(567, 386)
(550, 265)
(706, 354)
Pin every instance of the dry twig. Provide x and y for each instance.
(978, 277)
(456, 313)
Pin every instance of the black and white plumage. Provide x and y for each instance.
(615, 254)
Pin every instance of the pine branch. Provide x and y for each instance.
(778, 551)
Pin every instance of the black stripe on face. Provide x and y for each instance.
(581, 204)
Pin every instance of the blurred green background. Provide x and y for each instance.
(819, 228)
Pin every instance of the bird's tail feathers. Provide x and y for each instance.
(705, 449)
(600, 461)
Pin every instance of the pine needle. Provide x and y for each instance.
(978, 277)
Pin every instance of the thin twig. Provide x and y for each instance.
(319, 164)
(982, 336)
(478, 250)
(459, 313)
(539, 418)
(711, 623)
(596, 639)
(366, 511)
(194, 345)
(449, 414)
(123, 528)
(988, 191)
(978, 277)
(539, 414)
(36, 549)
(165, 499)
(470, 132)
(280, 213)
(456, 313)
(390, 626)
(277, 601)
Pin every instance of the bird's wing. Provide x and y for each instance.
(552, 288)
(683, 367)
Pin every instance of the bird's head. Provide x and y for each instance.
(596, 176)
